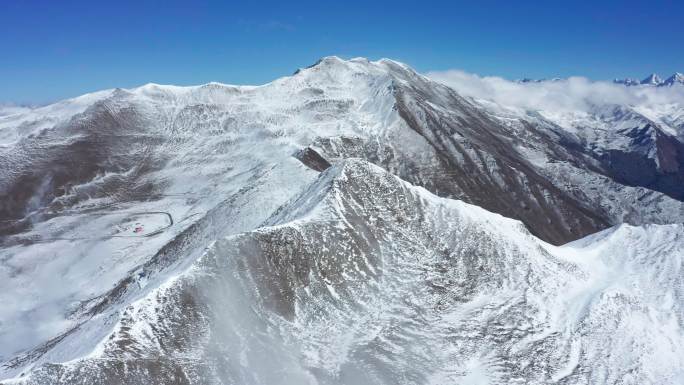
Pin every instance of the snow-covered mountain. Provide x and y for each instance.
(277, 234)
(676, 78)
(651, 80)
(654, 80)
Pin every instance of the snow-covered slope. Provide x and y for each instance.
(195, 155)
(364, 278)
(173, 234)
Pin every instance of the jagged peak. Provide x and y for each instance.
(652, 79)
(676, 78)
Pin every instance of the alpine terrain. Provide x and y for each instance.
(354, 223)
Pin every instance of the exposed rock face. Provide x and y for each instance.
(299, 250)
(53, 170)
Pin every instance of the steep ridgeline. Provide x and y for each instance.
(366, 279)
(562, 182)
(174, 233)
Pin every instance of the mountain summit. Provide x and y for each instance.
(677, 78)
(652, 79)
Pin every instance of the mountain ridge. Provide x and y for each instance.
(366, 269)
(654, 80)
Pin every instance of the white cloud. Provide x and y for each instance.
(9, 109)
(572, 94)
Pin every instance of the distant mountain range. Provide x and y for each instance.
(653, 80)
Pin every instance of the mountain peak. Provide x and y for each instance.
(676, 78)
(652, 79)
(336, 68)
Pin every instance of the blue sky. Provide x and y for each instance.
(50, 50)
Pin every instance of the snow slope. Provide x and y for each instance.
(364, 278)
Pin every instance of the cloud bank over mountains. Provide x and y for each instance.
(571, 94)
